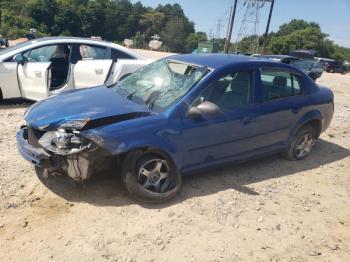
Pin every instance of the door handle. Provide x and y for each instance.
(99, 71)
(295, 110)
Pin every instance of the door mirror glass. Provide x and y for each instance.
(19, 58)
(204, 109)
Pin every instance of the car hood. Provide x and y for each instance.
(96, 106)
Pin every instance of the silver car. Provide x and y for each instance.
(43, 67)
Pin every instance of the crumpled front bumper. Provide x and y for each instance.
(32, 154)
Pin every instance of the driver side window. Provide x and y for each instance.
(46, 53)
(230, 91)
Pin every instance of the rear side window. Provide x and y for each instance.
(278, 84)
(91, 52)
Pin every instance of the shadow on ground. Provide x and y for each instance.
(15, 103)
(107, 190)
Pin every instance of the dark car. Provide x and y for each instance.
(334, 67)
(310, 67)
(176, 116)
(304, 54)
(287, 59)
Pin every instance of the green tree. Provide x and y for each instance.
(193, 39)
(174, 35)
(140, 40)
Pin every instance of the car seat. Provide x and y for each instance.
(238, 94)
(59, 66)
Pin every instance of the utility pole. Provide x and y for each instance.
(229, 31)
(267, 27)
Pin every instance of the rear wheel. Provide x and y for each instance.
(302, 143)
(150, 176)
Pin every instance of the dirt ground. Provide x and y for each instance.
(265, 210)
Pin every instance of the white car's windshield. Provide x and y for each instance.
(13, 48)
(160, 84)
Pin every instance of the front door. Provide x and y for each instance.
(93, 66)
(33, 74)
(33, 79)
(233, 132)
(38, 71)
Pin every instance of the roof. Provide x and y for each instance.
(278, 56)
(59, 39)
(46, 38)
(216, 61)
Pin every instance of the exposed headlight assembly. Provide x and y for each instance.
(64, 143)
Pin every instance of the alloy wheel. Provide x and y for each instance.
(304, 145)
(154, 175)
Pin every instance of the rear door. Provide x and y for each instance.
(282, 105)
(93, 65)
(33, 74)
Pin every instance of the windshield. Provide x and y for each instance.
(13, 48)
(160, 84)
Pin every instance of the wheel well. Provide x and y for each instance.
(152, 150)
(316, 124)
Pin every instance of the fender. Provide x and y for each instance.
(307, 117)
(122, 145)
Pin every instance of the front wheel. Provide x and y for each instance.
(150, 177)
(301, 144)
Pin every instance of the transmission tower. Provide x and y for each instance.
(250, 25)
(219, 27)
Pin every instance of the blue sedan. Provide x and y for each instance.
(178, 115)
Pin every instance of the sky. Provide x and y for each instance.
(332, 15)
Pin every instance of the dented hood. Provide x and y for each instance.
(97, 106)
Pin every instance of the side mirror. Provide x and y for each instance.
(204, 109)
(19, 59)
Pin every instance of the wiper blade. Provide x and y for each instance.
(130, 96)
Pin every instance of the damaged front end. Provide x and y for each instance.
(64, 151)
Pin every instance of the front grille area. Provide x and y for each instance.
(34, 136)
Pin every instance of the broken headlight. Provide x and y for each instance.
(64, 143)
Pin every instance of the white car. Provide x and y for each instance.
(43, 67)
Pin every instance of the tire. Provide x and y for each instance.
(150, 188)
(343, 73)
(331, 71)
(301, 144)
